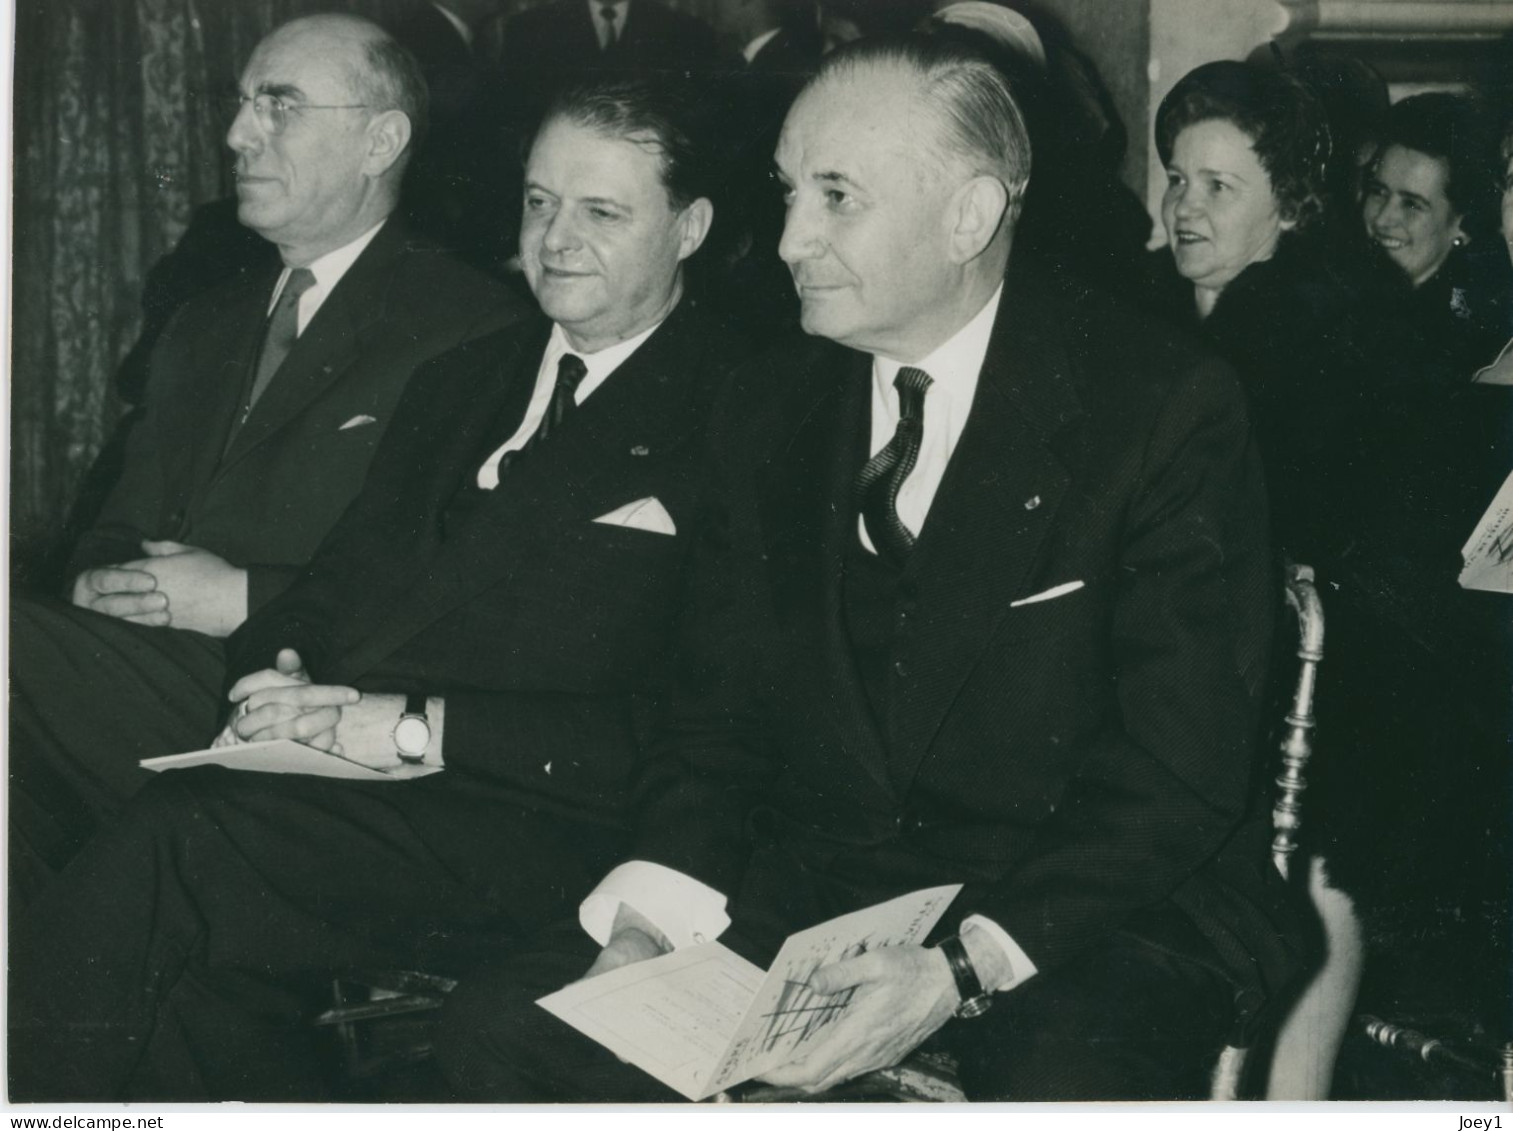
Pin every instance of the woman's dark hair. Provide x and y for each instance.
(1279, 114)
(1456, 131)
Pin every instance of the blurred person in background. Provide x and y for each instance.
(1428, 204)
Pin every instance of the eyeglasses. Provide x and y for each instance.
(273, 112)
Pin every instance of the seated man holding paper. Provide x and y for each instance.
(491, 613)
(986, 600)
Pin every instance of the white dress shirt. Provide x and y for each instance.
(602, 27)
(328, 270)
(687, 911)
(599, 365)
(953, 368)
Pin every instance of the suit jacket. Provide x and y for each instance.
(558, 41)
(1084, 764)
(542, 628)
(265, 501)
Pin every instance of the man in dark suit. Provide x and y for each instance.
(490, 618)
(567, 39)
(267, 400)
(986, 600)
(463, 188)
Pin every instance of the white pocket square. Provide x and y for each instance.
(1049, 595)
(643, 514)
(358, 421)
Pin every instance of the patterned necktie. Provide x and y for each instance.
(875, 491)
(279, 337)
(570, 374)
(611, 30)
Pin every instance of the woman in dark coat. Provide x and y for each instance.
(1245, 150)
(1427, 208)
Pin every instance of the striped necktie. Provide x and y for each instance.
(875, 491)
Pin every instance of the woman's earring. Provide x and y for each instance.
(1458, 241)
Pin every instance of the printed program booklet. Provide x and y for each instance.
(703, 1019)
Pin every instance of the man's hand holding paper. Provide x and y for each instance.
(901, 996)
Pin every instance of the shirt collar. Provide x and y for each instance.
(329, 268)
(595, 7)
(956, 362)
(752, 49)
(600, 364)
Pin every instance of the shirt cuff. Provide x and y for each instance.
(1021, 969)
(684, 910)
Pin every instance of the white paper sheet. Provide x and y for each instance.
(1488, 553)
(703, 1019)
(283, 756)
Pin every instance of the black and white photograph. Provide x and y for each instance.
(760, 552)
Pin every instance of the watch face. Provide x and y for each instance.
(412, 736)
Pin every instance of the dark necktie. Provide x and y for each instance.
(570, 374)
(612, 35)
(875, 491)
(279, 337)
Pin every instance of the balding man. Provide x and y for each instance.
(986, 602)
(267, 399)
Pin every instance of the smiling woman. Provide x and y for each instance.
(1429, 207)
(1245, 150)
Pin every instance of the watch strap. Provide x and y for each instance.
(974, 999)
(415, 704)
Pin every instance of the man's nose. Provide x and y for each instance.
(800, 239)
(245, 133)
(561, 232)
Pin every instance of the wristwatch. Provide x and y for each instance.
(975, 1001)
(412, 734)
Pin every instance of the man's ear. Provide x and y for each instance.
(979, 210)
(693, 226)
(388, 135)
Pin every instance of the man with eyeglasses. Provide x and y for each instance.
(266, 401)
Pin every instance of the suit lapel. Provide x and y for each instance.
(988, 524)
(806, 519)
(332, 341)
(647, 404)
(222, 363)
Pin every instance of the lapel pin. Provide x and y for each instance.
(640, 450)
(1032, 502)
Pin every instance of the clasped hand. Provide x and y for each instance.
(174, 586)
(283, 702)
